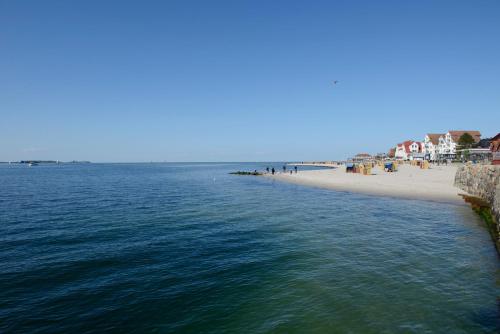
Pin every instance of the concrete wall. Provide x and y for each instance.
(482, 181)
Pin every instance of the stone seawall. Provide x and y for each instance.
(482, 181)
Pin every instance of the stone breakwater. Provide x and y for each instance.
(482, 181)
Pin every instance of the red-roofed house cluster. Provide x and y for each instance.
(434, 146)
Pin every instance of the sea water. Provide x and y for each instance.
(189, 248)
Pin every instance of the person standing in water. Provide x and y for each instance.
(284, 168)
(267, 169)
(272, 171)
(295, 169)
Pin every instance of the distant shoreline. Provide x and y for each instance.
(21, 162)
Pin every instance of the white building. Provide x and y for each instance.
(409, 150)
(416, 151)
(431, 143)
(416, 147)
(403, 150)
(447, 147)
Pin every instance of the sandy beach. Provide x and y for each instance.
(435, 184)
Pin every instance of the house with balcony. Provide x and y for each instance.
(416, 151)
(431, 143)
(416, 147)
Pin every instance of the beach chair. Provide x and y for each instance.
(368, 170)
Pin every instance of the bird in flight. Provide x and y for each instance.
(335, 82)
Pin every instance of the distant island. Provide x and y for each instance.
(45, 162)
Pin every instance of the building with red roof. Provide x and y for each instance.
(403, 150)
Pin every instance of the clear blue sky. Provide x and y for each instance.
(241, 80)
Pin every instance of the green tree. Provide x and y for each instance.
(466, 141)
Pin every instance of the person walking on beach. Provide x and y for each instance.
(295, 169)
(272, 171)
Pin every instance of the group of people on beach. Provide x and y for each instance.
(273, 171)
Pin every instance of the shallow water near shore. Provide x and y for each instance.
(189, 248)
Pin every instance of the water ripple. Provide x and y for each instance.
(188, 248)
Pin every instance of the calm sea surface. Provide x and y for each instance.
(187, 248)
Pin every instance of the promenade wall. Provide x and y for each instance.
(482, 181)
